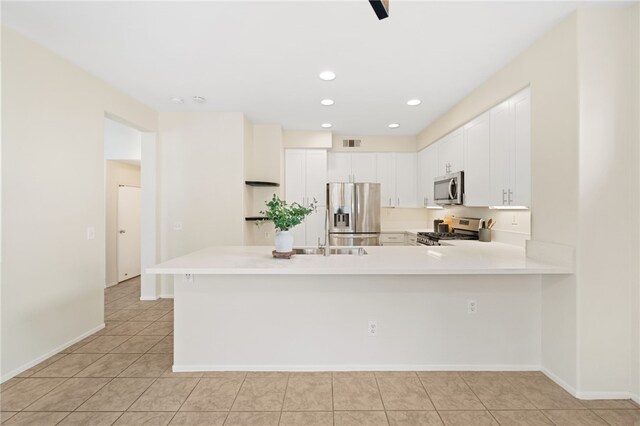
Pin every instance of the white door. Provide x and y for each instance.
(386, 177)
(406, 179)
(502, 134)
(450, 153)
(295, 176)
(363, 167)
(338, 167)
(521, 174)
(316, 176)
(477, 165)
(128, 232)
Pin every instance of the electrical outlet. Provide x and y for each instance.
(177, 226)
(372, 328)
(267, 234)
(472, 306)
(514, 221)
(91, 233)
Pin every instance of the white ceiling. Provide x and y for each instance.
(263, 58)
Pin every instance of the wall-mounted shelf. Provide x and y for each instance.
(255, 218)
(260, 183)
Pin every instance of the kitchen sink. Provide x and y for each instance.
(355, 251)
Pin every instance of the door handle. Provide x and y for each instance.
(122, 231)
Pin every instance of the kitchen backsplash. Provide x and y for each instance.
(399, 218)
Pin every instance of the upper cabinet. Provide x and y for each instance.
(450, 153)
(397, 175)
(477, 160)
(511, 151)
(351, 167)
(427, 172)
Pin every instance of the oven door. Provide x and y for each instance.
(449, 189)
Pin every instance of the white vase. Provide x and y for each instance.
(284, 242)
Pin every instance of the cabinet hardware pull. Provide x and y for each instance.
(510, 197)
(504, 197)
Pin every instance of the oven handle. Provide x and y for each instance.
(451, 183)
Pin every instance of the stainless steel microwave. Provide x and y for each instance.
(449, 189)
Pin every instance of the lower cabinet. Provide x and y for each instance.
(395, 239)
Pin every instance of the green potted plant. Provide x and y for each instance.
(286, 216)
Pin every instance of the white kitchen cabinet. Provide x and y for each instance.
(477, 162)
(363, 167)
(450, 153)
(427, 170)
(351, 167)
(386, 177)
(393, 239)
(338, 167)
(511, 151)
(306, 180)
(396, 173)
(406, 179)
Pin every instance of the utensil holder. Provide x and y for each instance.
(484, 235)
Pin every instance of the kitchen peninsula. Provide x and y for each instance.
(466, 306)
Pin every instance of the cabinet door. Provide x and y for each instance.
(295, 175)
(314, 227)
(431, 161)
(521, 171)
(421, 172)
(502, 132)
(477, 165)
(316, 176)
(406, 179)
(338, 167)
(386, 177)
(450, 153)
(363, 167)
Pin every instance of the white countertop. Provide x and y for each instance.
(460, 258)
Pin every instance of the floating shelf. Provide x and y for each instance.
(254, 218)
(260, 183)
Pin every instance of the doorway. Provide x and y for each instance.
(128, 246)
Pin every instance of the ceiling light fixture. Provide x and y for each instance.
(326, 125)
(327, 102)
(327, 75)
(199, 99)
(414, 102)
(394, 125)
(177, 100)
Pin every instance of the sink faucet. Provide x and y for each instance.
(326, 247)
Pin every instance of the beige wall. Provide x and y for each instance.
(201, 182)
(301, 139)
(609, 113)
(117, 173)
(377, 143)
(53, 181)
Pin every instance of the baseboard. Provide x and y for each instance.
(166, 296)
(358, 367)
(49, 354)
(111, 284)
(589, 395)
(147, 298)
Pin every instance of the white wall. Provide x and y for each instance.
(117, 173)
(202, 182)
(301, 139)
(53, 181)
(607, 271)
(121, 142)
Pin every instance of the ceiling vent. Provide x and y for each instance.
(351, 143)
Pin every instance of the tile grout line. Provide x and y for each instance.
(284, 397)
(381, 398)
(430, 399)
(234, 398)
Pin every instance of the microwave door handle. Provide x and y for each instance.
(451, 183)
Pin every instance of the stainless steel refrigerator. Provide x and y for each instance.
(354, 214)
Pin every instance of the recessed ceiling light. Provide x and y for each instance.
(327, 102)
(414, 102)
(327, 75)
(199, 99)
(394, 125)
(326, 125)
(177, 100)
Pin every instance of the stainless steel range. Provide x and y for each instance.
(462, 228)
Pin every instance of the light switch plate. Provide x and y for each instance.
(91, 233)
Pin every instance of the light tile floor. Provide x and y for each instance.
(122, 376)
